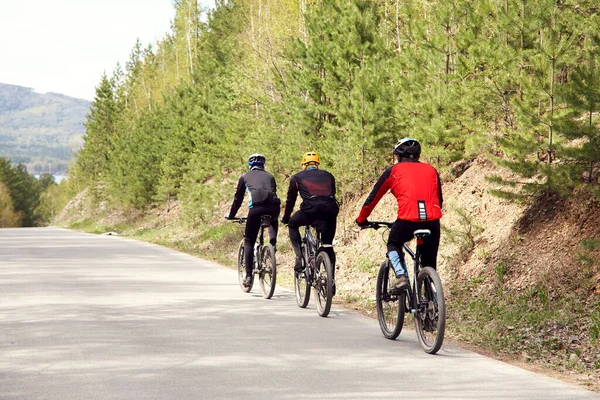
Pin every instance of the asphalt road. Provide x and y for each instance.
(102, 317)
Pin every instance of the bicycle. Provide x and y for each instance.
(425, 299)
(317, 272)
(265, 265)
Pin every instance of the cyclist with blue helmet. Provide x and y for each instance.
(262, 200)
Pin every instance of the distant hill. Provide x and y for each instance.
(40, 130)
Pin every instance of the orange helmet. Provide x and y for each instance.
(311, 158)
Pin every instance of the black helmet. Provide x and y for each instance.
(256, 160)
(408, 148)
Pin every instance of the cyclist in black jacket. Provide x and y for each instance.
(317, 189)
(262, 200)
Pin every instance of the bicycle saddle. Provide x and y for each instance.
(319, 225)
(265, 221)
(421, 233)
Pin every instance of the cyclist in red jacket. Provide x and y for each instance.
(418, 190)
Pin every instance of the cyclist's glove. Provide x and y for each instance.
(228, 217)
(285, 220)
(363, 225)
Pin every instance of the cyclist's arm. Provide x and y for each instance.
(380, 188)
(292, 194)
(238, 198)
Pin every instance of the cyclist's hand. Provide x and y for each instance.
(363, 225)
(285, 220)
(227, 217)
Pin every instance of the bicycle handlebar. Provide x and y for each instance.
(238, 220)
(378, 224)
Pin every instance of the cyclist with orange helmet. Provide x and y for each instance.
(317, 189)
(262, 200)
(418, 190)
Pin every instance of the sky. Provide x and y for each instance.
(64, 46)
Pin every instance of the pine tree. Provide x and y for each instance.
(99, 138)
(579, 122)
(548, 48)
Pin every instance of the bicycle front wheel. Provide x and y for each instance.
(242, 269)
(390, 306)
(430, 317)
(323, 283)
(268, 273)
(301, 284)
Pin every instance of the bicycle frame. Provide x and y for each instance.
(318, 272)
(313, 245)
(266, 270)
(260, 241)
(425, 298)
(413, 292)
(257, 249)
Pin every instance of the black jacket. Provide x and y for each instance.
(261, 188)
(317, 189)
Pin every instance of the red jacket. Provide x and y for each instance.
(417, 188)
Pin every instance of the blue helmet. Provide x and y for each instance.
(256, 160)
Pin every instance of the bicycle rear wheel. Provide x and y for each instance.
(323, 283)
(430, 317)
(301, 284)
(390, 307)
(242, 269)
(268, 274)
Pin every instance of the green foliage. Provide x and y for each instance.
(591, 244)
(24, 191)
(346, 79)
(590, 256)
(595, 326)
(9, 218)
(94, 158)
(552, 136)
(501, 270)
(53, 199)
(367, 265)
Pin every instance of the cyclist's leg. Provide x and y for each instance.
(400, 233)
(252, 227)
(298, 219)
(328, 234)
(273, 211)
(431, 244)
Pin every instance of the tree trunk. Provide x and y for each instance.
(398, 26)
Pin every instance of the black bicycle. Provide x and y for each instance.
(317, 271)
(425, 299)
(265, 265)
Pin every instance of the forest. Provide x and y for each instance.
(25, 200)
(512, 79)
